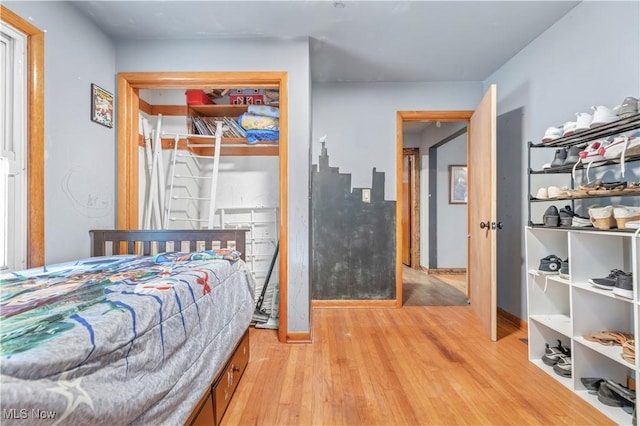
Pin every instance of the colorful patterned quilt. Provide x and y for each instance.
(119, 339)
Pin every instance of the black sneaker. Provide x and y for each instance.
(563, 366)
(551, 216)
(550, 264)
(552, 354)
(566, 216)
(608, 282)
(624, 285)
(564, 269)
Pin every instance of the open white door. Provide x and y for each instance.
(482, 244)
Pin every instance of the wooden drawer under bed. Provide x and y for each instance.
(213, 404)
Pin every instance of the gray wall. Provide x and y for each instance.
(452, 218)
(79, 155)
(589, 57)
(359, 121)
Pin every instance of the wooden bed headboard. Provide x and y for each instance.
(150, 242)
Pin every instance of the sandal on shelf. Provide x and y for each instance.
(629, 351)
(632, 186)
(609, 338)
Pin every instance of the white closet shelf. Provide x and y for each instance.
(558, 322)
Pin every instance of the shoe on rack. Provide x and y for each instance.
(594, 152)
(628, 107)
(624, 392)
(629, 351)
(568, 128)
(633, 146)
(551, 134)
(559, 158)
(563, 366)
(632, 224)
(602, 217)
(551, 216)
(608, 282)
(550, 264)
(624, 214)
(566, 216)
(553, 354)
(609, 397)
(592, 383)
(564, 269)
(573, 155)
(542, 194)
(624, 285)
(583, 121)
(616, 148)
(581, 222)
(602, 115)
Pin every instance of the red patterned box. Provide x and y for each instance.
(246, 99)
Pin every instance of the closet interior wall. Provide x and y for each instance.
(247, 192)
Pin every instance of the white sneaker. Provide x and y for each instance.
(592, 152)
(632, 224)
(542, 194)
(568, 128)
(602, 115)
(615, 148)
(583, 121)
(552, 133)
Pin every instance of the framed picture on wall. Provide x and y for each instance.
(458, 188)
(101, 106)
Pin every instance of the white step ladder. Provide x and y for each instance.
(203, 223)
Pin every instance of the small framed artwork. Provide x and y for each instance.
(458, 188)
(101, 106)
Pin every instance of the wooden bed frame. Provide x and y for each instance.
(150, 242)
(214, 401)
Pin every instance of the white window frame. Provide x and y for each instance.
(13, 149)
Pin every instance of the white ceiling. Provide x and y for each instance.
(364, 41)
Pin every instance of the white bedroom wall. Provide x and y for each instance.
(79, 170)
(254, 55)
(589, 57)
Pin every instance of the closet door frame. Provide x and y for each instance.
(128, 104)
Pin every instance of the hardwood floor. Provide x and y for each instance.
(422, 289)
(409, 366)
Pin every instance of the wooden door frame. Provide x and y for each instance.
(128, 100)
(35, 135)
(413, 116)
(414, 188)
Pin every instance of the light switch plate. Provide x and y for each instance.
(366, 195)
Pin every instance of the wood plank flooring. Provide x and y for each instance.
(408, 366)
(422, 289)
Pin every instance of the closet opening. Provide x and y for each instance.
(134, 87)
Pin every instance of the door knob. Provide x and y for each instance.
(495, 225)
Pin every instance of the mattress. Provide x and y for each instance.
(119, 339)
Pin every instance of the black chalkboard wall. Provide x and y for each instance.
(353, 242)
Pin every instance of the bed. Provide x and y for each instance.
(152, 329)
